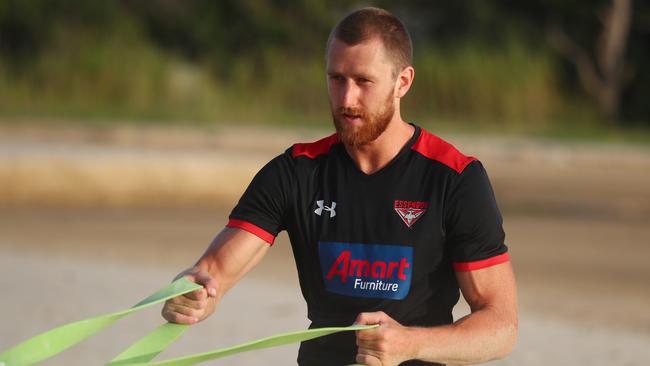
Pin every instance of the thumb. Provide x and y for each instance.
(205, 279)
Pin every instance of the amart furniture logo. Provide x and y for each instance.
(366, 270)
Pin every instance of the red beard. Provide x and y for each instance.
(373, 124)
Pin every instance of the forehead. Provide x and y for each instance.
(368, 57)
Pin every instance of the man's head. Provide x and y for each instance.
(369, 57)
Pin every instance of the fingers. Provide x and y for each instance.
(197, 295)
(175, 315)
(379, 346)
(185, 310)
(367, 359)
(189, 301)
(194, 306)
(370, 337)
(378, 317)
(372, 347)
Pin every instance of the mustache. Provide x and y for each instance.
(354, 111)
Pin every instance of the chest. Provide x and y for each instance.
(381, 230)
(402, 205)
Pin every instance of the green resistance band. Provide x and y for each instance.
(140, 357)
(149, 346)
(56, 340)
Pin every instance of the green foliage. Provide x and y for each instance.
(477, 63)
(509, 85)
(112, 72)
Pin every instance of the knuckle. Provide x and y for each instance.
(382, 335)
(382, 347)
(195, 313)
(363, 359)
(186, 311)
(174, 317)
(167, 310)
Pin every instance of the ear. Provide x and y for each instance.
(404, 81)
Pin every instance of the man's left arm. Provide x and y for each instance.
(488, 333)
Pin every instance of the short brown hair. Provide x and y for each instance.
(367, 23)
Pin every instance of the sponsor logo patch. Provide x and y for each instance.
(410, 211)
(322, 207)
(366, 270)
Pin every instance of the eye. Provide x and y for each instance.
(337, 78)
(363, 81)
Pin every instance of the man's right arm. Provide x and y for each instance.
(229, 257)
(253, 225)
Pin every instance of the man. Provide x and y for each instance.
(387, 222)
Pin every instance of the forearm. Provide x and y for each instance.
(484, 335)
(489, 332)
(231, 255)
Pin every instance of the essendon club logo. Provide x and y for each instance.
(410, 211)
(366, 270)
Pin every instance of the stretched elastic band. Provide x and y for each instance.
(56, 340)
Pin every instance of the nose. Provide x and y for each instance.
(349, 94)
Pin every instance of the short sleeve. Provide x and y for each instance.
(473, 223)
(262, 207)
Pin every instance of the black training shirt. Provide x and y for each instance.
(389, 241)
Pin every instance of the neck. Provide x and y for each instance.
(375, 155)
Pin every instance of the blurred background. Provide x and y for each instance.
(129, 129)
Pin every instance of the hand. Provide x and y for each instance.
(387, 345)
(194, 306)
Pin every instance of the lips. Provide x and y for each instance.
(347, 115)
(351, 120)
(351, 116)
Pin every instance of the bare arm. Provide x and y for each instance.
(229, 257)
(488, 333)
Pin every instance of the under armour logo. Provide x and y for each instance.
(321, 207)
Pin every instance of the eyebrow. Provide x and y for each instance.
(354, 76)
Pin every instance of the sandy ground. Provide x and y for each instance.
(63, 266)
(577, 218)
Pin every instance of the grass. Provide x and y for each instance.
(98, 79)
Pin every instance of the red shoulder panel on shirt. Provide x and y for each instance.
(313, 149)
(435, 148)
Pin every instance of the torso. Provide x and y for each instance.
(372, 242)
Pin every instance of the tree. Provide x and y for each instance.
(602, 75)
